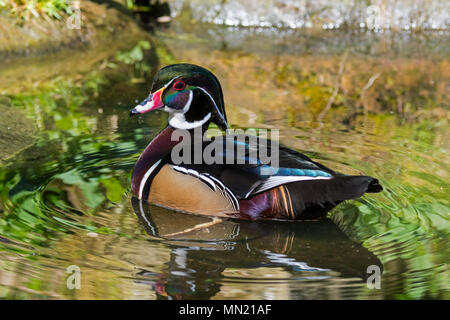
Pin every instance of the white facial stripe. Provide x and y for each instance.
(188, 103)
(215, 105)
(144, 179)
(178, 120)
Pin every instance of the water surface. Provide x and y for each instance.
(64, 189)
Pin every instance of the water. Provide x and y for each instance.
(64, 186)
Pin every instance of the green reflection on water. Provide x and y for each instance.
(64, 200)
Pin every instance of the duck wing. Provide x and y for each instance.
(299, 188)
(244, 169)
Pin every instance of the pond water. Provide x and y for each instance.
(368, 14)
(64, 185)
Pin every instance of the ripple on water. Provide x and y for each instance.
(66, 201)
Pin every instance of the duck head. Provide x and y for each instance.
(190, 94)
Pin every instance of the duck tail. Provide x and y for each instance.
(374, 186)
(311, 199)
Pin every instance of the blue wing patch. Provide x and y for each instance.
(288, 172)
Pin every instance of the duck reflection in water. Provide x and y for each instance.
(205, 249)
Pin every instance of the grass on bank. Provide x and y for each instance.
(27, 9)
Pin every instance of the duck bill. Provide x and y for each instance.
(153, 102)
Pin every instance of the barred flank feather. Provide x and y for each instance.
(307, 199)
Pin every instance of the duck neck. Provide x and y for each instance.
(156, 150)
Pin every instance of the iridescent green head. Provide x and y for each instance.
(191, 94)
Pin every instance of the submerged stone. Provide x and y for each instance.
(16, 131)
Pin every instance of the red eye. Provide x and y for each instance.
(179, 85)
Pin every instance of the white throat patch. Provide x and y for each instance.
(178, 120)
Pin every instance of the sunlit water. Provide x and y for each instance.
(65, 200)
(372, 14)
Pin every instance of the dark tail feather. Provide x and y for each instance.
(374, 186)
(314, 198)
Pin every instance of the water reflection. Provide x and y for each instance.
(64, 193)
(206, 253)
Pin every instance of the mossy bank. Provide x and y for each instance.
(94, 24)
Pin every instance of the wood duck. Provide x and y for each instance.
(247, 188)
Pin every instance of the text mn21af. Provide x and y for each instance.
(247, 309)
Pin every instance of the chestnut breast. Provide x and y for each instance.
(187, 193)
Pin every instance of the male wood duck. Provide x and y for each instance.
(297, 188)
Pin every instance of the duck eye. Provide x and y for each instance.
(179, 85)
